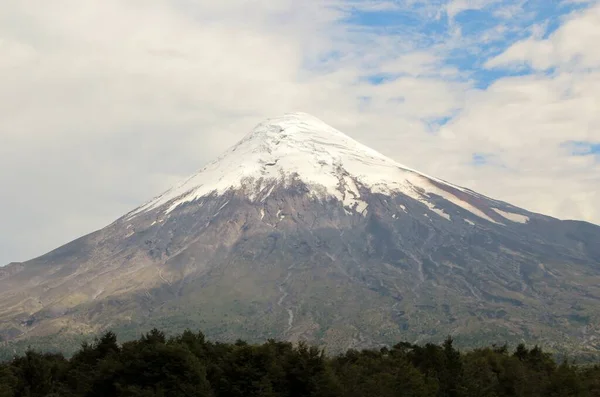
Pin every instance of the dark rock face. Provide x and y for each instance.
(296, 267)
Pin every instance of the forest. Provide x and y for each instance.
(189, 365)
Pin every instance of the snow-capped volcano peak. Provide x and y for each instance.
(303, 133)
(298, 146)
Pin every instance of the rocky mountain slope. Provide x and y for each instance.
(300, 232)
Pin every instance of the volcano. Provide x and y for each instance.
(299, 232)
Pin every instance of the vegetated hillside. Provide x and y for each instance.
(189, 365)
(298, 232)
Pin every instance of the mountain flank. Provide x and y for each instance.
(298, 232)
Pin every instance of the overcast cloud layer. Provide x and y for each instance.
(106, 103)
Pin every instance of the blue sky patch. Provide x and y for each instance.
(465, 40)
(581, 148)
(435, 123)
(382, 19)
(381, 78)
(478, 159)
(474, 22)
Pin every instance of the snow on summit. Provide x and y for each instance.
(298, 146)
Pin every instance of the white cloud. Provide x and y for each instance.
(571, 46)
(510, 10)
(455, 7)
(525, 122)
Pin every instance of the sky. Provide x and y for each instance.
(104, 104)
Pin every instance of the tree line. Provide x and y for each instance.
(189, 365)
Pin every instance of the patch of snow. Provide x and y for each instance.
(268, 193)
(153, 223)
(361, 207)
(223, 206)
(299, 146)
(262, 213)
(441, 213)
(459, 202)
(348, 201)
(349, 195)
(394, 216)
(280, 214)
(470, 222)
(404, 209)
(350, 187)
(512, 216)
(436, 210)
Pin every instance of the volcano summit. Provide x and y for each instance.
(301, 233)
